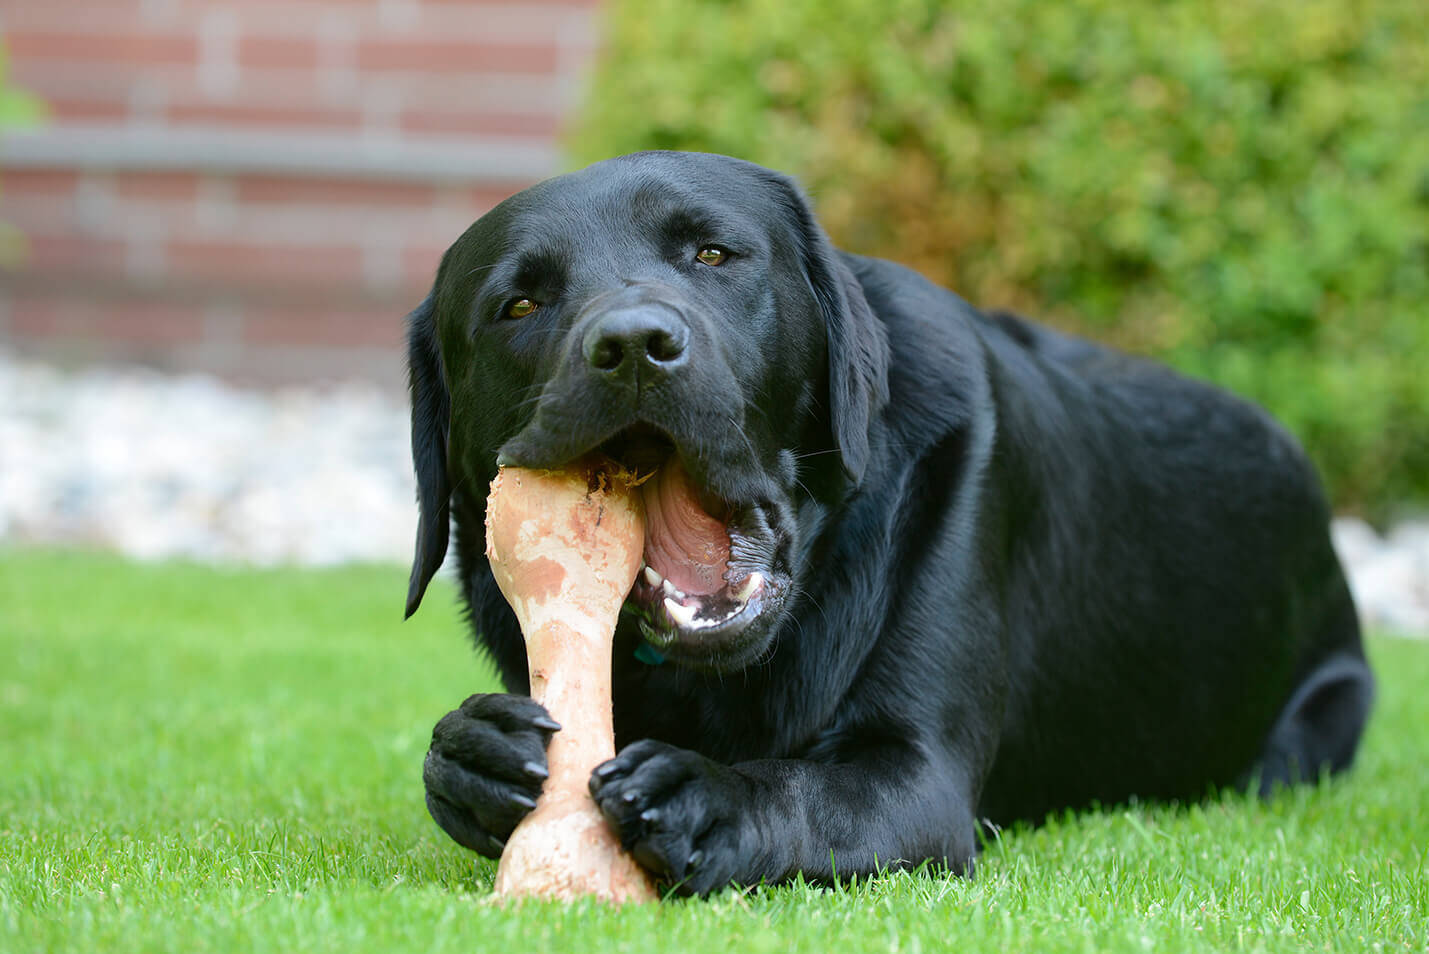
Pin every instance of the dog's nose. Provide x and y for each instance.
(647, 334)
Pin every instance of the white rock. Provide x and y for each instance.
(1355, 540)
(158, 466)
(1389, 576)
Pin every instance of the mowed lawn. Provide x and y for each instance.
(195, 759)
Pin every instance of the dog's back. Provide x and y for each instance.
(1176, 609)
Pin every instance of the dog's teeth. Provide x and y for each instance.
(652, 577)
(682, 615)
(671, 590)
(751, 584)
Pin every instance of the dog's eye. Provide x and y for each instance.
(521, 308)
(711, 255)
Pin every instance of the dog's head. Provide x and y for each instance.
(684, 314)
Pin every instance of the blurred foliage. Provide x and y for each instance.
(1240, 187)
(17, 109)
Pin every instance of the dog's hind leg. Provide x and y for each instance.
(1319, 728)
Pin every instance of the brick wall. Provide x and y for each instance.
(261, 188)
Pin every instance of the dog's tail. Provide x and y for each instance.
(1319, 729)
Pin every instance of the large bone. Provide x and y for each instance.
(565, 547)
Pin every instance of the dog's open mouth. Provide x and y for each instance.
(707, 572)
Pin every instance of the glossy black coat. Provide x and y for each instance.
(1027, 572)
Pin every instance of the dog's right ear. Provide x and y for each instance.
(431, 422)
(857, 340)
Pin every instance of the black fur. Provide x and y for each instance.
(431, 413)
(1016, 571)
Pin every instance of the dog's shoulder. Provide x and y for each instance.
(1046, 391)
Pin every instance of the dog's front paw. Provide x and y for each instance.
(677, 812)
(485, 767)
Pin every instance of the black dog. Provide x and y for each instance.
(912, 566)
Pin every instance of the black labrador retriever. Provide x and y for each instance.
(911, 567)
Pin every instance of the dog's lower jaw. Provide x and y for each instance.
(731, 625)
(718, 633)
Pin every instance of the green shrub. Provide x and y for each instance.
(1240, 187)
(17, 109)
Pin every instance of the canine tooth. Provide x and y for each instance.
(672, 590)
(683, 615)
(751, 584)
(653, 577)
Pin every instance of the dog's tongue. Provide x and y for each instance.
(683, 543)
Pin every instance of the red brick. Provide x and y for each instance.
(269, 115)
(36, 318)
(74, 254)
(573, 27)
(146, 322)
(97, 82)
(95, 61)
(478, 124)
(334, 192)
(504, 3)
(280, 17)
(68, 109)
(33, 217)
(419, 265)
(38, 182)
(279, 8)
(324, 325)
(483, 199)
(445, 92)
(238, 263)
(284, 51)
(158, 186)
(102, 47)
(457, 56)
(30, 14)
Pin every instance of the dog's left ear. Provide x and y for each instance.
(857, 340)
(431, 421)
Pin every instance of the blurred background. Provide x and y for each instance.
(261, 188)
(215, 213)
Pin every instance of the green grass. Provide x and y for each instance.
(196, 759)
